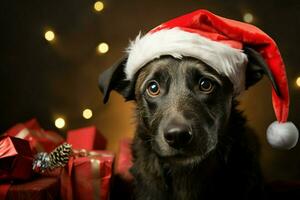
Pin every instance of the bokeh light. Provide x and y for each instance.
(98, 6)
(103, 47)
(248, 17)
(49, 35)
(87, 113)
(60, 122)
(298, 81)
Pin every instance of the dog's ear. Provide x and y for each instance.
(114, 78)
(256, 68)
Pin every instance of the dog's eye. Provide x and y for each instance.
(153, 88)
(206, 85)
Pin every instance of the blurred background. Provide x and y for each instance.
(53, 51)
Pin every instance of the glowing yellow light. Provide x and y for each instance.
(298, 81)
(60, 122)
(98, 6)
(49, 35)
(103, 47)
(248, 17)
(87, 113)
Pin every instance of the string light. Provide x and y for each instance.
(248, 17)
(298, 81)
(60, 122)
(49, 35)
(103, 47)
(98, 6)
(87, 113)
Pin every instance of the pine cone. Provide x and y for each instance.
(59, 157)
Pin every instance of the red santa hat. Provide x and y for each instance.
(219, 42)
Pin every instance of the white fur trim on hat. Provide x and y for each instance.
(282, 135)
(175, 42)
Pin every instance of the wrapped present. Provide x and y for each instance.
(45, 188)
(124, 161)
(31, 124)
(15, 159)
(88, 138)
(39, 139)
(122, 184)
(49, 162)
(88, 176)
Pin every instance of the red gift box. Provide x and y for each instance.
(44, 188)
(39, 139)
(124, 161)
(15, 159)
(122, 186)
(88, 138)
(88, 177)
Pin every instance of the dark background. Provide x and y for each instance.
(47, 80)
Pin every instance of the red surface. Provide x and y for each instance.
(16, 159)
(237, 34)
(38, 189)
(88, 138)
(124, 161)
(39, 139)
(78, 181)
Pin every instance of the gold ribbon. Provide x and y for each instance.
(95, 167)
(86, 153)
(96, 182)
(23, 133)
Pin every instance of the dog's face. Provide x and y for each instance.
(184, 105)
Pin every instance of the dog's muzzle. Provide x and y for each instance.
(177, 135)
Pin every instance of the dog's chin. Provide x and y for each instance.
(183, 159)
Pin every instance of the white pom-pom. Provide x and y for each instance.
(282, 135)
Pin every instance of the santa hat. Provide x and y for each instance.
(219, 42)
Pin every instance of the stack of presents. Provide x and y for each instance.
(89, 173)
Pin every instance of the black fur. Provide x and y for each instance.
(230, 170)
(221, 161)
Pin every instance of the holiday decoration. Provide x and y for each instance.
(42, 188)
(219, 42)
(124, 161)
(87, 176)
(122, 186)
(17, 163)
(88, 138)
(15, 159)
(39, 139)
(59, 157)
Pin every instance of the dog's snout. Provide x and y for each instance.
(177, 135)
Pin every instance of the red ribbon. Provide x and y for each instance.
(3, 190)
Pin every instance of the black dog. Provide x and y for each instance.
(191, 142)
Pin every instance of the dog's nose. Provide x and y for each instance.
(178, 136)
